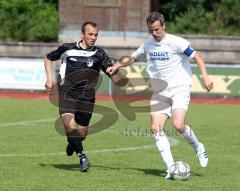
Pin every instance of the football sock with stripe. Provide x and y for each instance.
(163, 146)
(190, 136)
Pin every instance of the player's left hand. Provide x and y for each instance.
(112, 69)
(208, 83)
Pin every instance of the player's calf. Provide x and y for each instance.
(69, 149)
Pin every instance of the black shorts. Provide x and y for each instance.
(72, 102)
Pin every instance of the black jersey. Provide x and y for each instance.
(80, 68)
(75, 58)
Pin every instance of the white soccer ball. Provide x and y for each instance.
(179, 170)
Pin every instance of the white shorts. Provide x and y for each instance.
(170, 99)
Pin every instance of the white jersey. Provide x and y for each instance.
(168, 59)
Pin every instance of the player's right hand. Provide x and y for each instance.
(49, 86)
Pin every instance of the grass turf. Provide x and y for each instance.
(123, 157)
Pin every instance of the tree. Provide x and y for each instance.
(28, 20)
(218, 17)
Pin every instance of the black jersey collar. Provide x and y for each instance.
(78, 45)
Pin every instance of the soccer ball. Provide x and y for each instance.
(179, 170)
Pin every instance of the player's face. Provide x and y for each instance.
(156, 30)
(90, 35)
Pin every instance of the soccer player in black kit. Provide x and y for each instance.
(77, 79)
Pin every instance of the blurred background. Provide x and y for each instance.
(31, 28)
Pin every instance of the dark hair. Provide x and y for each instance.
(155, 16)
(88, 23)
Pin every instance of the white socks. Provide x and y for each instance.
(163, 146)
(191, 137)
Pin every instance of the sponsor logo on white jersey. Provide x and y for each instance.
(158, 56)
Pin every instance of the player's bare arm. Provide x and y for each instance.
(122, 62)
(207, 81)
(49, 84)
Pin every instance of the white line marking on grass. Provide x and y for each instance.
(26, 122)
(63, 153)
(172, 141)
(122, 149)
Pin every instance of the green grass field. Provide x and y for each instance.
(123, 157)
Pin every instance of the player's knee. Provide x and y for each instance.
(77, 134)
(82, 131)
(156, 128)
(68, 126)
(83, 135)
(179, 126)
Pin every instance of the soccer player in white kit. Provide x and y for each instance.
(167, 57)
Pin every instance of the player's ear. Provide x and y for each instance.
(82, 35)
(164, 27)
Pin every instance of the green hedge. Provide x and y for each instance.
(28, 20)
(216, 17)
